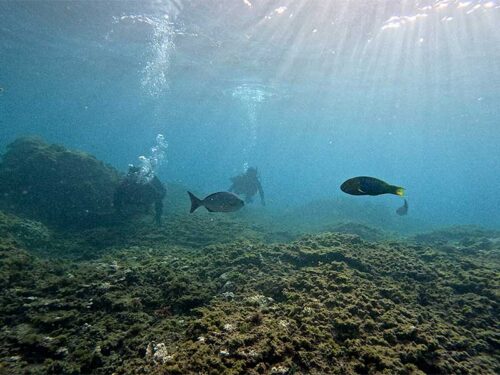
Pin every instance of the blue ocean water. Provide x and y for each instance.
(310, 92)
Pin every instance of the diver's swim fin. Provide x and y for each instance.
(195, 202)
(403, 210)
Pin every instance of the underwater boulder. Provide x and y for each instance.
(53, 184)
(27, 233)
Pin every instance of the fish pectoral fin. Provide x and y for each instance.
(361, 191)
(209, 210)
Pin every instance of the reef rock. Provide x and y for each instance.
(50, 183)
(28, 233)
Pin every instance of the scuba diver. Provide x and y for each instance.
(248, 184)
(132, 191)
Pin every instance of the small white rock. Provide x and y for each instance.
(161, 354)
(259, 299)
(229, 285)
(149, 351)
(228, 295)
(62, 351)
(308, 309)
(253, 353)
(105, 285)
(279, 370)
(284, 323)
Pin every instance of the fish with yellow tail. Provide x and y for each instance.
(364, 185)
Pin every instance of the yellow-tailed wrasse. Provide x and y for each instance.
(364, 185)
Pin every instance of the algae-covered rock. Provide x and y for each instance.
(28, 233)
(205, 294)
(50, 183)
(364, 231)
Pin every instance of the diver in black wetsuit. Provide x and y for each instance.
(248, 184)
(133, 192)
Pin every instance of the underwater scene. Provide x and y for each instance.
(250, 187)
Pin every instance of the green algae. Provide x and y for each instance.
(156, 301)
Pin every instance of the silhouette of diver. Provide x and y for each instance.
(248, 184)
(133, 192)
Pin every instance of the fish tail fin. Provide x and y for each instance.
(399, 191)
(195, 202)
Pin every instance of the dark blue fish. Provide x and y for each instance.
(370, 186)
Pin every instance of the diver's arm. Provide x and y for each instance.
(261, 193)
